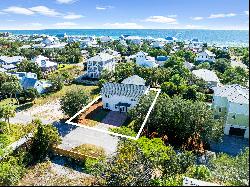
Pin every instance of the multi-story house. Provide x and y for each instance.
(232, 103)
(96, 64)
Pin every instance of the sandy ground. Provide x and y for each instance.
(48, 113)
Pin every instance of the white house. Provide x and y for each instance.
(189, 65)
(158, 43)
(206, 56)
(149, 38)
(142, 59)
(134, 39)
(195, 45)
(208, 76)
(44, 63)
(123, 97)
(88, 42)
(49, 40)
(232, 103)
(7, 60)
(105, 39)
(96, 64)
(235, 63)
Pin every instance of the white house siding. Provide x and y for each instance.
(115, 99)
(96, 64)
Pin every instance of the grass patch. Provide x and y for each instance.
(91, 150)
(57, 95)
(124, 131)
(17, 132)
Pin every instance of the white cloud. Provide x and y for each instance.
(197, 18)
(72, 16)
(103, 7)
(222, 15)
(43, 10)
(123, 25)
(66, 1)
(161, 19)
(65, 24)
(18, 10)
(246, 12)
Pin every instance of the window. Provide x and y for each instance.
(107, 105)
(233, 117)
(219, 109)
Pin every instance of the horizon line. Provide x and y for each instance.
(122, 29)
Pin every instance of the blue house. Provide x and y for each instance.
(29, 80)
(34, 83)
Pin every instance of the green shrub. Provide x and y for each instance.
(123, 130)
(43, 140)
(73, 101)
(11, 172)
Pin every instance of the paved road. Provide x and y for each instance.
(231, 145)
(24, 118)
(73, 136)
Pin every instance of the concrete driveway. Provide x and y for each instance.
(73, 136)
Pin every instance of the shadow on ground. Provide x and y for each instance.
(64, 128)
(231, 145)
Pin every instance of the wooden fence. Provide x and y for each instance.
(71, 154)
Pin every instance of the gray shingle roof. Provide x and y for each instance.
(234, 93)
(128, 90)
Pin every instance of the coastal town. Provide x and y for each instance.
(124, 93)
(84, 101)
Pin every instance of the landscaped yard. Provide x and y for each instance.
(89, 149)
(57, 95)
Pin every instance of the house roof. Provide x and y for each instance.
(2, 70)
(135, 79)
(41, 58)
(206, 75)
(10, 60)
(188, 65)
(141, 53)
(101, 57)
(9, 66)
(162, 58)
(209, 53)
(170, 38)
(235, 63)
(29, 83)
(234, 93)
(127, 90)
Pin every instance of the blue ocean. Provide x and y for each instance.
(220, 37)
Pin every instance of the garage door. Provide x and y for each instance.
(237, 131)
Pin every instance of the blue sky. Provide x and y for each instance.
(124, 14)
